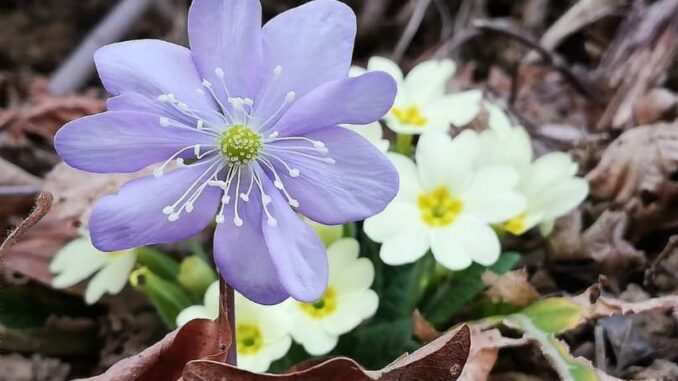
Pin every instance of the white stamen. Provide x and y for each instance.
(173, 217)
(220, 219)
(273, 135)
(200, 92)
(272, 222)
(237, 221)
(294, 172)
(189, 207)
(168, 210)
(158, 173)
(289, 98)
(206, 83)
(165, 122)
(277, 71)
(244, 197)
(249, 102)
(293, 203)
(219, 72)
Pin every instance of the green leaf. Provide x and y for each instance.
(458, 291)
(554, 315)
(18, 310)
(376, 345)
(158, 262)
(168, 297)
(567, 366)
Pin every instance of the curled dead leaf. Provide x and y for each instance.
(641, 160)
(640, 170)
(604, 242)
(485, 345)
(657, 105)
(165, 360)
(441, 360)
(43, 114)
(511, 287)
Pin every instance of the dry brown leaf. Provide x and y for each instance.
(165, 360)
(640, 160)
(605, 307)
(485, 345)
(658, 105)
(44, 114)
(76, 191)
(33, 252)
(441, 360)
(603, 242)
(511, 287)
(640, 169)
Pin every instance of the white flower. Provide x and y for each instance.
(79, 259)
(261, 332)
(446, 204)
(421, 104)
(347, 302)
(549, 183)
(208, 310)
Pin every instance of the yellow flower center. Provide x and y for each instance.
(439, 207)
(322, 307)
(240, 144)
(249, 339)
(410, 115)
(516, 225)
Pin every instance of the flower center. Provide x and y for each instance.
(249, 339)
(439, 207)
(322, 307)
(240, 144)
(410, 115)
(516, 225)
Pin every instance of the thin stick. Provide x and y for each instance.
(19, 190)
(78, 68)
(410, 30)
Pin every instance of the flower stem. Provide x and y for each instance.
(404, 144)
(228, 308)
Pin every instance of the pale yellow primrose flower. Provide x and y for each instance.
(79, 259)
(262, 332)
(347, 302)
(549, 183)
(421, 104)
(447, 204)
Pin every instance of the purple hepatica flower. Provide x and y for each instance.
(250, 117)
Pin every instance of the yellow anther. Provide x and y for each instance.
(323, 306)
(410, 115)
(516, 225)
(439, 207)
(249, 339)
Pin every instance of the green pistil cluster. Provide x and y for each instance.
(240, 144)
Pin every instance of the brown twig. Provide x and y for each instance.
(410, 30)
(509, 29)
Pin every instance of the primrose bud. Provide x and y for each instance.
(195, 275)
